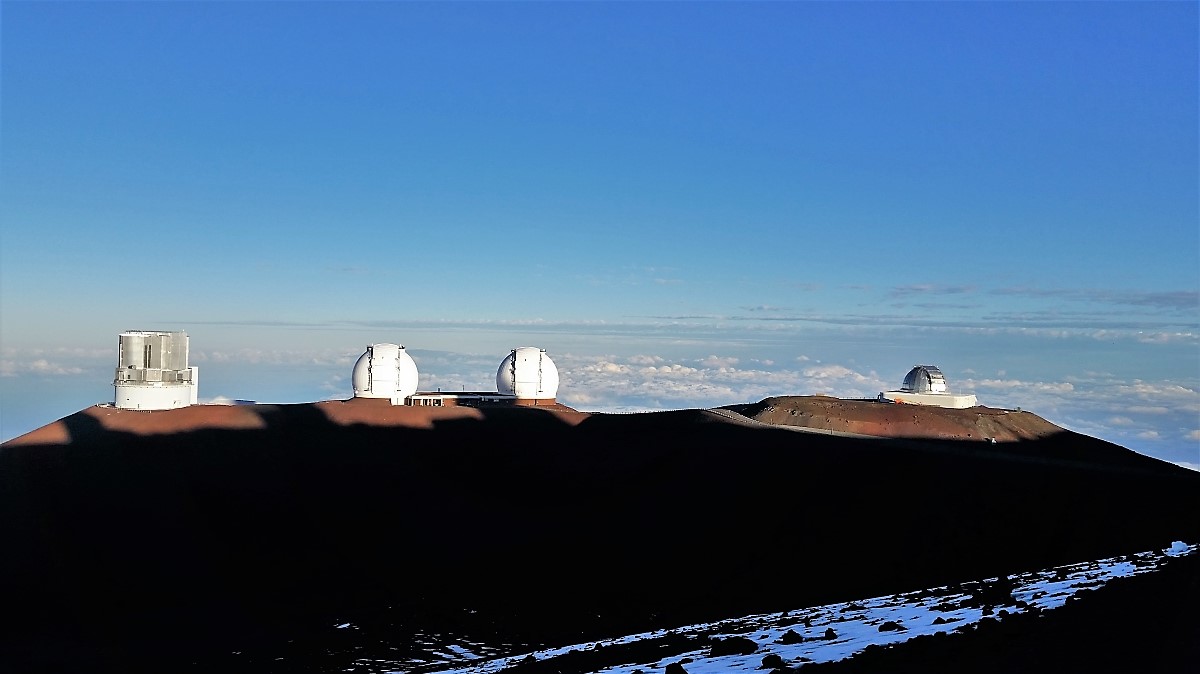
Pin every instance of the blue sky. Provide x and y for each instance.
(686, 203)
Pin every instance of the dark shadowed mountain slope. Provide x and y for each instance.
(1148, 623)
(124, 546)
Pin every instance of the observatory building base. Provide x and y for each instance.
(934, 399)
(154, 396)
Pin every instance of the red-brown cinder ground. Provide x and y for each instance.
(892, 420)
(380, 412)
(371, 412)
(817, 412)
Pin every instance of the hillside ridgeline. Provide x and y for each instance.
(870, 417)
(159, 535)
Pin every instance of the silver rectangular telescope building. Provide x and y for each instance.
(153, 372)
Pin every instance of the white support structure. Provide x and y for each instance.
(153, 372)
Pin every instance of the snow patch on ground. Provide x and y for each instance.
(807, 635)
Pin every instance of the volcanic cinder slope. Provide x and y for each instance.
(162, 536)
(899, 421)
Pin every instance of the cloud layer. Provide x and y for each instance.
(1159, 417)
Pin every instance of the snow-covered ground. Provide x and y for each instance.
(793, 638)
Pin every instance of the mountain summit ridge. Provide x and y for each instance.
(147, 539)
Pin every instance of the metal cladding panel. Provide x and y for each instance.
(175, 351)
(407, 376)
(381, 351)
(924, 379)
(361, 375)
(158, 347)
(505, 375)
(384, 373)
(130, 350)
(152, 349)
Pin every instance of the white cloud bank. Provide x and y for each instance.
(39, 366)
(645, 382)
(1160, 418)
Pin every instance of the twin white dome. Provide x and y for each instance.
(387, 371)
(528, 374)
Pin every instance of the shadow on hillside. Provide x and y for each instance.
(519, 527)
(82, 427)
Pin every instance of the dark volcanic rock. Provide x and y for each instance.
(732, 646)
(772, 661)
(791, 637)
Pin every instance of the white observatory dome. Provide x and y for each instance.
(926, 385)
(924, 379)
(385, 371)
(529, 374)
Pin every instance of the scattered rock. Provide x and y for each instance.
(830, 634)
(732, 646)
(772, 661)
(791, 637)
(675, 668)
(892, 626)
(527, 664)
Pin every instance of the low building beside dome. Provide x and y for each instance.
(926, 385)
(459, 398)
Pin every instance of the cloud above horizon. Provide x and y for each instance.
(40, 366)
